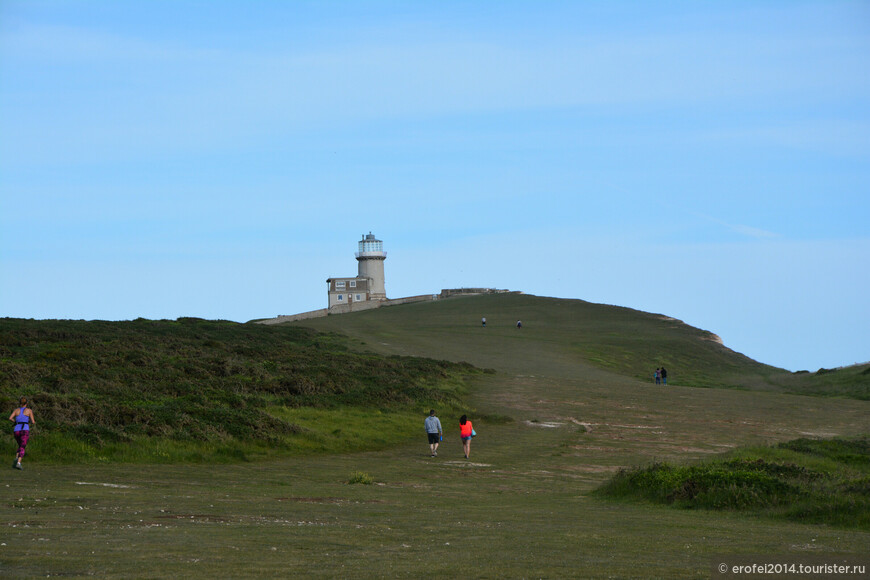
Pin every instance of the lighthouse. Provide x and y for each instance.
(366, 290)
(371, 256)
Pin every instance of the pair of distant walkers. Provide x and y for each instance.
(483, 322)
(661, 376)
(436, 435)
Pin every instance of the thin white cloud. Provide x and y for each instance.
(67, 45)
(839, 136)
(743, 230)
(750, 231)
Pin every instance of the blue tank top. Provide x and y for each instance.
(22, 421)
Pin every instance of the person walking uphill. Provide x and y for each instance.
(23, 419)
(466, 432)
(433, 431)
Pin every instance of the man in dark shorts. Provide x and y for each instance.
(433, 431)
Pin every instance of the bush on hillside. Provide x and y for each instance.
(833, 492)
(195, 380)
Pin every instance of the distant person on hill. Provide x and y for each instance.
(658, 376)
(664, 376)
(519, 323)
(23, 419)
(483, 321)
(466, 432)
(433, 431)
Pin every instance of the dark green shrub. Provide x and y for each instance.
(196, 380)
(837, 496)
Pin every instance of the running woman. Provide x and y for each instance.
(23, 419)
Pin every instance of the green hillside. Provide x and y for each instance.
(196, 390)
(851, 382)
(203, 390)
(568, 337)
(138, 464)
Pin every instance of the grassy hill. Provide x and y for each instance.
(196, 390)
(201, 390)
(568, 337)
(575, 384)
(851, 382)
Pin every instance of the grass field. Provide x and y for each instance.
(523, 506)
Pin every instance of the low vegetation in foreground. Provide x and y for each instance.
(197, 390)
(806, 480)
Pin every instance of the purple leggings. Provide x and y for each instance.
(22, 437)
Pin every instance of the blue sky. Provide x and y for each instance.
(708, 161)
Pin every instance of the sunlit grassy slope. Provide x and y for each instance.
(565, 337)
(569, 417)
(194, 390)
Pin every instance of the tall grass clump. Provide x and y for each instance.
(817, 481)
(360, 477)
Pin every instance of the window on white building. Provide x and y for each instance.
(353, 283)
(341, 297)
(358, 298)
(339, 285)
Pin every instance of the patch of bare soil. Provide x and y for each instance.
(325, 500)
(467, 464)
(240, 520)
(200, 518)
(822, 434)
(584, 424)
(592, 468)
(103, 484)
(598, 448)
(666, 447)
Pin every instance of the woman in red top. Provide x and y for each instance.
(465, 431)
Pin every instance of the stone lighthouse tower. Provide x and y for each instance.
(371, 256)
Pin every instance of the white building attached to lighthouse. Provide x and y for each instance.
(367, 290)
(368, 285)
